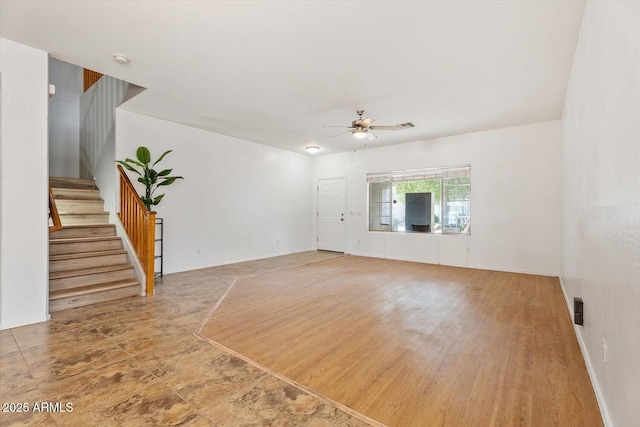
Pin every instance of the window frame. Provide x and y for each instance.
(440, 174)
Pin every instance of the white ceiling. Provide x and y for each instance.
(276, 72)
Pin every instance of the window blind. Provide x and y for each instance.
(420, 174)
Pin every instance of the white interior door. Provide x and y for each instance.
(332, 215)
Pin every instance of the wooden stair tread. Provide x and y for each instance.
(84, 239)
(86, 230)
(93, 267)
(86, 214)
(87, 226)
(84, 290)
(78, 255)
(67, 182)
(88, 270)
(77, 201)
(89, 219)
(71, 193)
(86, 254)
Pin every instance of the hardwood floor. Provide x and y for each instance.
(405, 344)
(135, 362)
(410, 344)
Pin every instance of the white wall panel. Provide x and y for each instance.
(98, 135)
(601, 215)
(24, 237)
(515, 198)
(64, 119)
(239, 200)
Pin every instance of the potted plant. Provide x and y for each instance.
(148, 176)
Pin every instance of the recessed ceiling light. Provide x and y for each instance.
(312, 149)
(120, 59)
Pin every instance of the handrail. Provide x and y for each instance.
(53, 214)
(90, 78)
(140, 225)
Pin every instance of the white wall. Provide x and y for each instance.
(64, 119)
(98, 135)
(24, 238)
(239, 200)
(515, 199)
(601, 215)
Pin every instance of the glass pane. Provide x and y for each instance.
(424, 201)
(379, 202)
(457, 204)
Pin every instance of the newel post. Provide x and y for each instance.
(151, 252)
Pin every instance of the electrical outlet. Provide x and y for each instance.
(605, 351)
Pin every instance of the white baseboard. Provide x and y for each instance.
(606, 418)
(131, 255)
(477, 267)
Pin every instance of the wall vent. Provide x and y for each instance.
(578, 311)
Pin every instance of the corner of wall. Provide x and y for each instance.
(24, 291)
(606, 418)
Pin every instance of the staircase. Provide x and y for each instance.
(87, 262)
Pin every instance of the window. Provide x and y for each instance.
(427, 200)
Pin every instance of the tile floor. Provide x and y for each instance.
(136, 362)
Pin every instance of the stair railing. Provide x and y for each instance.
(90, 78)
(140, 225)
(54, 219)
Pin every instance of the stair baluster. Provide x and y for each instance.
(55, 224)
(139, 223)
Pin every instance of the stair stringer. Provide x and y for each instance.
(132, 257)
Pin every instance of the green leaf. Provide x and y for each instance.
(147, 202)
(161, 157)
(134, 162)
(145, 180)
(169, 180)
(128, 166)
(143, 155)
(149, 177)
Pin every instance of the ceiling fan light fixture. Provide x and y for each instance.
(312, 149)
(359, 133)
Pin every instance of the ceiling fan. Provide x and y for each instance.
(363, 128)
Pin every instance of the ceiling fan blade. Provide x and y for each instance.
(367, 122)
(396, 127)
(371, 136)
(341, 133)
(345, 127)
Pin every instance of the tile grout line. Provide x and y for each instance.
(261, 376)
(271, 372)
(160, 379)
(30, 372)
(235, 279)
(294, 383)
(156, 377)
